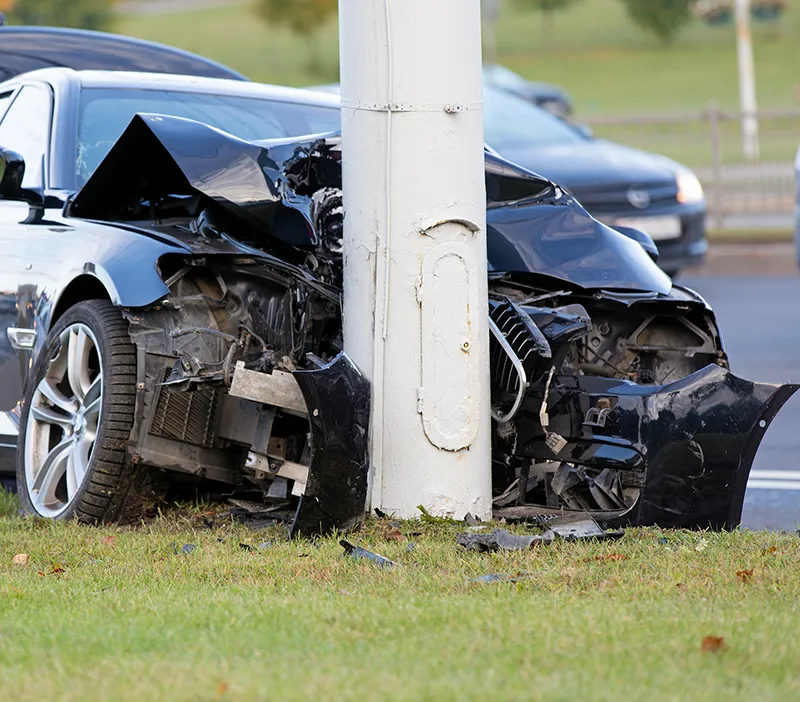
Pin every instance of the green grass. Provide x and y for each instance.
(763, 235)
(608, 64)
(131, 620)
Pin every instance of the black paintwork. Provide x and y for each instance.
(533, 225)
(338, 401)
(694, 440)
(24, 49)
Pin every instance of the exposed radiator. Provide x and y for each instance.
(186, 415)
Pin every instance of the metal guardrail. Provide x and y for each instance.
(710, 143)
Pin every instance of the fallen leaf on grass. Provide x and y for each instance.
(771, 549)
(20, 559)
(110, 541)
(393, 534)
(55, 570)
(222, 688)
(745, 575)
(611, 557)
(713, 644)
(680, 586)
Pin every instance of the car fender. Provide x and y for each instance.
(62, 273)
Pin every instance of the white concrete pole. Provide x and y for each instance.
(415, 290)
(747, 80)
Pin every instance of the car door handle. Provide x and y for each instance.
(21, 339)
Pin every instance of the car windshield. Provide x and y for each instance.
(105, 112)
(513, 123)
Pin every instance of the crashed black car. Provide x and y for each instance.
(170, 297)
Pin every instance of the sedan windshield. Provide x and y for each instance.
(513, 123)
(509, 122)
(105, 112)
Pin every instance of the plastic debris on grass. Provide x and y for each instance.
(571, 527)
(357, 552)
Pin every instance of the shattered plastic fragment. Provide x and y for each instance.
(501, 540)
(579, 526)
(570, 527)
(358, 552)
(496, 578)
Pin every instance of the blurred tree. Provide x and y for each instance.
(304, 18)
(664, 18)
(548, 8)
(86, 14)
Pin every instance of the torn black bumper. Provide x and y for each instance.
(338, 401)
(692, 442)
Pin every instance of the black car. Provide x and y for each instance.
(615, 183)
(24, 49)
(170, 288)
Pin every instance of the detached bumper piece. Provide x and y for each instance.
(338, 401)
(672, 455)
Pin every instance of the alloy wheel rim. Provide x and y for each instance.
(63, 421)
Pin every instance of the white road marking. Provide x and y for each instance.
(773, 484)
(774, 480)
(775, 474)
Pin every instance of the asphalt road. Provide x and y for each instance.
(758, 309)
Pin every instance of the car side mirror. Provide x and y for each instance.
(13, 172)
(644, 240)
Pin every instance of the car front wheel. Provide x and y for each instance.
(77, 417)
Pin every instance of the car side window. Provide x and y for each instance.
(5, 101)
(26, 129)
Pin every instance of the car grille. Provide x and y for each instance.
(614, 199)
(514, 327)
(186, 415)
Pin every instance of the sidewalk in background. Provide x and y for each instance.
(748, 259)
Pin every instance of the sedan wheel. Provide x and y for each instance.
(78, 413)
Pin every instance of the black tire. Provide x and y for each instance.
(109, 474)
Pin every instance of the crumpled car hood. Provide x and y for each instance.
(533, 225)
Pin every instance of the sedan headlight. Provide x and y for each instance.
(689, 188)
